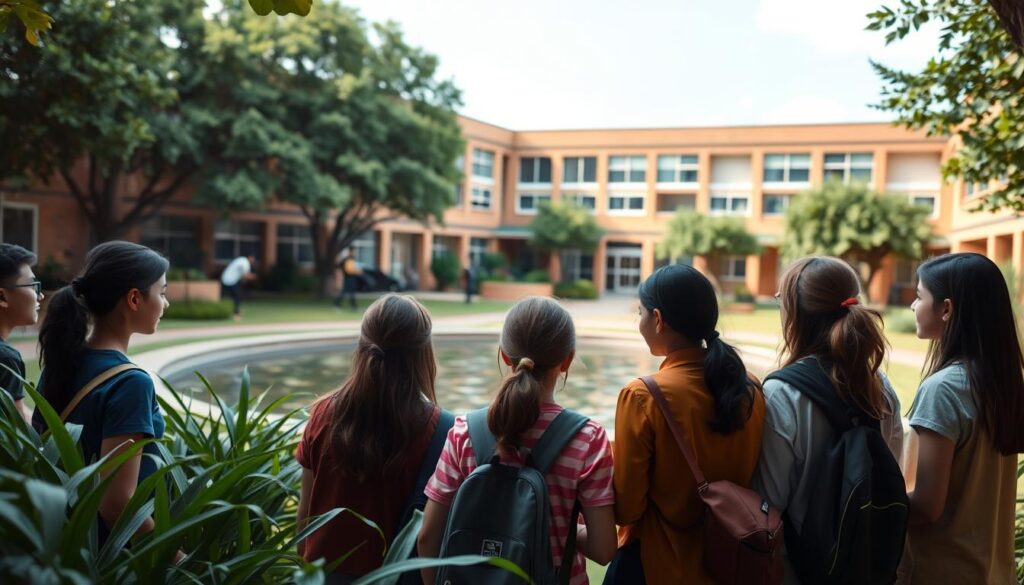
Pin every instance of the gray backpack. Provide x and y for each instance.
(504, 511)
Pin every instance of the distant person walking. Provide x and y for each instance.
(469, 276)
(238, 271)
(350, 271)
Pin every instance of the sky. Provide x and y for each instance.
(561, 64)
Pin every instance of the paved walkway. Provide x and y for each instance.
(609, 314)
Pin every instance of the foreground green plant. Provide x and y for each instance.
(225, 493)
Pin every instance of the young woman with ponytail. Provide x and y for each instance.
(969, 418)
(720, 409)
(366, 442)
(538, 344)
(823, 320)
(83, 338)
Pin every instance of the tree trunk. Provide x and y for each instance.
(1011, 15)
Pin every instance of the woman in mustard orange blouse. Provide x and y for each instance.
(721, 411)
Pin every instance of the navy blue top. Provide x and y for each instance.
(124, 405)
(10, 382)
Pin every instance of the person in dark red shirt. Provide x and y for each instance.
(365, 442)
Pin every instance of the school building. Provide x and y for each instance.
(631, 180)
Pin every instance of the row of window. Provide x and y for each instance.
(721, 204)
(672, 169)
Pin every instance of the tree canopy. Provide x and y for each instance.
(694, 234)
(563, 225)
(856, 224)
(971, 89)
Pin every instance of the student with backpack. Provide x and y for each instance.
(702, 400)
(371, 445)
(969, 417)
(513, 477)
(20, 295)
(833, 433)
(87, 376)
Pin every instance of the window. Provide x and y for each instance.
(535, 170)
(906, 272)
(926, 201)
(848, 167)
(483, 164)
(670, 203)
(477, 249)
(480, 198)
(588, 202)
(730, 203)
(734, 268)
(294, 243)
(232, 239)
(442, 245)
(174, 237)
(579, 169)
(577, 265)
(20, 225)
(787, 168)
(627, 169)
(776, 204)
(364, 248)
(732, 172)
(529, 203)
(677, 169)
(626, 204)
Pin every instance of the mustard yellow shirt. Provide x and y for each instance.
(655, 493)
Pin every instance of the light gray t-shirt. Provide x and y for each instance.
(972, 542)
(795, 432)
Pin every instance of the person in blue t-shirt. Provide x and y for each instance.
(120, 292)
(20, 295)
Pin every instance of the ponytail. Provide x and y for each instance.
(62, 340)
(732, 389)
(535, 326)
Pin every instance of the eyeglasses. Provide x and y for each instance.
(35, 284)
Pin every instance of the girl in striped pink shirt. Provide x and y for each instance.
(538, 342)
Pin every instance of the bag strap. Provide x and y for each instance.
(677, 432)
(484, 444)
(811, 379)
(98, 380)
(417, 499)
(559, 433)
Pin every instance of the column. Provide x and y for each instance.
(384, 251)
(882, 282)
(646, 258)
(427, 280)
(600, 259)
(555, 266)
(753, 278)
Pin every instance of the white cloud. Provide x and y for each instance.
(837, 28)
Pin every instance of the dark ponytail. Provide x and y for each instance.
(538, 335)
(111, 270)
(688, 305)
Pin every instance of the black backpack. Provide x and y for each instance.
(504, 511)
(856, 521)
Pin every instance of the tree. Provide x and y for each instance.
(856, 224)
(563, 225)
(354, 125)
(692, 234)
(115, 103)
(971, 90)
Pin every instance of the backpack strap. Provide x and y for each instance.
(810, 377)
(677, 432)
(417, 499)
(93, 384)
(480, 436)
(558, 434)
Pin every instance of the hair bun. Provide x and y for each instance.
(525, 364)
(375, 350)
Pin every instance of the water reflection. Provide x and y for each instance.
(467, 377)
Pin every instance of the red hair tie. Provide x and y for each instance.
(848, 302)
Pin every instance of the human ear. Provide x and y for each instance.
(947, 310)
(504, 357)
(564, 366)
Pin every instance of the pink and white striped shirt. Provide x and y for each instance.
(583, 470)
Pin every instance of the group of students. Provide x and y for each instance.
(380, 444)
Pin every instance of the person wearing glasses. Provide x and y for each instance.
(20, 295)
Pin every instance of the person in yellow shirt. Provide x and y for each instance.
(721, 410)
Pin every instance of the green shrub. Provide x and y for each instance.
(225, 494)
(537, 276)
(199, 310)
(742, 295)
(52, 274)
(445, 268)
(901, 321)
(185, 274)
(492, 262)
(496, 278)
(576, 289)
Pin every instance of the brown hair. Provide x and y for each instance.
(982, 335)
(382, 406)
(538, 335)
(821, 317)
